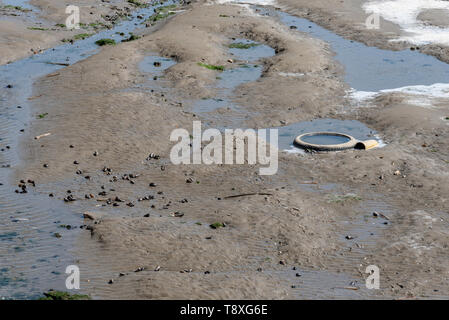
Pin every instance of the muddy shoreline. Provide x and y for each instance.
(307, 232)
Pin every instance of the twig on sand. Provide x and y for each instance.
(347, 288)
(52, 74)
(308, 182)
(249, 194)
(34, 97)
(59, 64)
(42, 135)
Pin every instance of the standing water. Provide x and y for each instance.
(32, 259)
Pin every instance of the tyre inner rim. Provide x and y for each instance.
(325, 139)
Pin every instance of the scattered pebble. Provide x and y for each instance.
(177, 214)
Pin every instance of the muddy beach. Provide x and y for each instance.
(86, 176)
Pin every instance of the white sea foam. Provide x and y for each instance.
(294, 150)
(419, 95)
(256, 2)
(291, 74)
(380, 142)
(405, 12)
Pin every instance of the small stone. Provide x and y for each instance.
(177, 214)
(45, 165)
(111, 281)
(152, 184)
(95, 153)
(348, 237)
(57, 235)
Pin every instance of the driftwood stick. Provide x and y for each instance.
(249, 194)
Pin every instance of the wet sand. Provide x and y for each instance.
(307, 232)
(38, 25)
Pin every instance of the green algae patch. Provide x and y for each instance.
(104, 42)
(61, 295)
(211, 66)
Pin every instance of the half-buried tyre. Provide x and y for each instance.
(325, 141)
